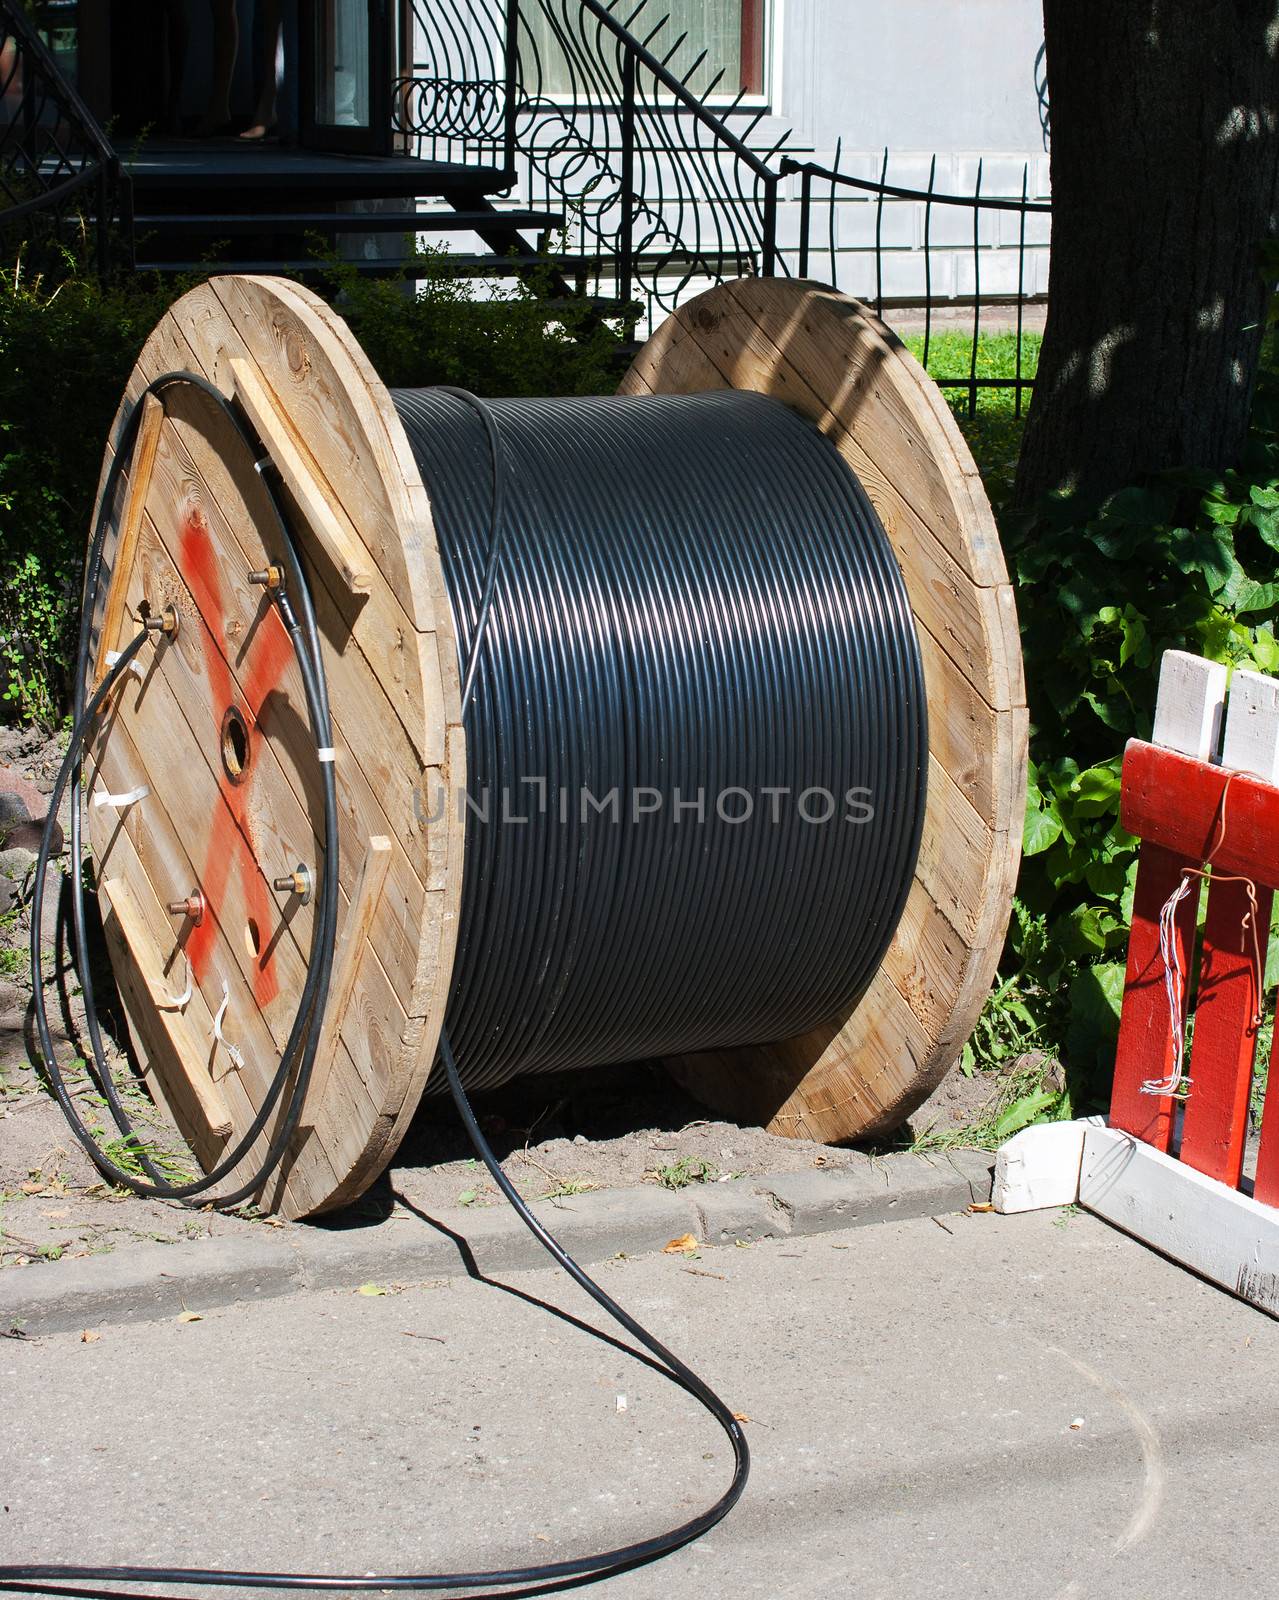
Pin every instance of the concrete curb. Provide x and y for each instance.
(154, 1281)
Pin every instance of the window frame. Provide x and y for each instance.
(769, 11)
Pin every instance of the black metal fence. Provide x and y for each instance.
(629, 131)
(671, 179)
(976, 239)
(55, 161)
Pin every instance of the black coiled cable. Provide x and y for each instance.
(81, 1579)
(675, 593)
(697, 616)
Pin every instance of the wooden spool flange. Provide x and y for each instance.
(832, 360)
(215, 728)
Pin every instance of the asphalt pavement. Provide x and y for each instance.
(962, 1406)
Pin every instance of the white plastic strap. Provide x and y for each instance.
(237, 1060)
(117, 802)
(177, 1002)
(135, 666)
(326, 752)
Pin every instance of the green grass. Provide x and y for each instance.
(1018, 1096)
(123, 1152)
(993, 431)
(566, 1188)
(950, 356)
(679, 1174)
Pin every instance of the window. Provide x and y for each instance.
(731, 32)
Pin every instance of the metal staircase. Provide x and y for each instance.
(602, 111)
(57, 167)
(571, 141)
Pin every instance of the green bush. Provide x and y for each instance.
(67, 347)
(1188, 562)
(447, 333)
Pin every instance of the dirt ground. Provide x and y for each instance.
(557, 1134)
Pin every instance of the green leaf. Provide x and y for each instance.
(1082, 600)
(1265, 649)
(1204, 550)
(1223, 512)
(1130, 887)
(1106, 874)
(1096, 790)
(1095, 997)
(1042, 828)
(1023, 1112)
(1135, 635)
(1251, 597)
(1115, 713)
(1267, 525)
(1081, 931)
(1140, 508)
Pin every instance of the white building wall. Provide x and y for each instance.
(954, 80)
(943, 85)
(917, 75)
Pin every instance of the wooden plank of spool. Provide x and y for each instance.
(141, 467)
(332, 530)
(392, 668)
(349, 954)
(211, 1100)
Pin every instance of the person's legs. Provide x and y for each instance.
(177, 29)
(268, 31)
(226, 43)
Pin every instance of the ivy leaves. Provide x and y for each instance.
(1190, 563)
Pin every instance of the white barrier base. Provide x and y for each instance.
(1223, 1235)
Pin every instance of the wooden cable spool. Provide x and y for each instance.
(215, 732)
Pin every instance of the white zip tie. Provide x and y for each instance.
(326, 752)
(117, 802)
(135, 666)
(177, 1002)
(237, 1060)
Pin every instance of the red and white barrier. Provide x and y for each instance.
(1167, 1166)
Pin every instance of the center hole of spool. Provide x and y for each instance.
(235, 745)
(252, 938)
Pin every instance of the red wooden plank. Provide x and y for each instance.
(1176, 802)
(1225, 1031)
(1266, 1186)
(1145, 1050)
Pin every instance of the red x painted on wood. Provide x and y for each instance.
(231, 838)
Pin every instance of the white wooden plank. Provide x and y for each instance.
(1252, 726)
(1188, 710)
(1039, 1168)
(1227, 1237)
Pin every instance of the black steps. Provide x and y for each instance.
(217, 225)
(471, 266)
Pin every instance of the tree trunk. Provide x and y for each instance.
(1165, 167)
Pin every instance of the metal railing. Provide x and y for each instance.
(600, 114)
(824, 190)
(54, 158)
